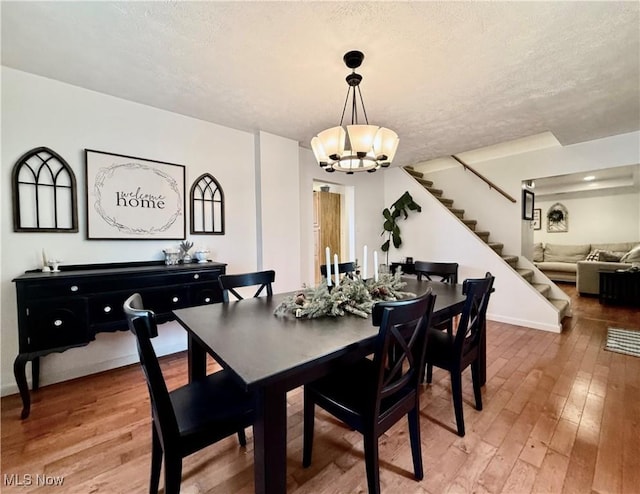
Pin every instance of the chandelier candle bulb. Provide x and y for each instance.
(327, 251)
(375, 265)
(364, 264)
(335, 265)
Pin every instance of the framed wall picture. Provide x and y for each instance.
(527, 204)
(536, 222)
(134, 198)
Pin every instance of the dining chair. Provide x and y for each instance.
(191, 417)
(371, 395)
(348, 268)
(262, 279)
(445, 272)
(455, 352)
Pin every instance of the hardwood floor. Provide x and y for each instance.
(560, 415)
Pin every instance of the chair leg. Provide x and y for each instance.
(372, 462)
(429, 373)
(416, 446)
(476, 379)
(308, 419)
(156, 461)
(456, 391)
(172, 474)
(242, 438)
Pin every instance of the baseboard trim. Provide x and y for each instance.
(87, 370)
(551, 328)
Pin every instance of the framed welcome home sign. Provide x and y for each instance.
(134, 198)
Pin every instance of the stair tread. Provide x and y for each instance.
(424, 181)
(560, 303)
(543, 288)
(435, 192)
(414, 172)
(527, 274)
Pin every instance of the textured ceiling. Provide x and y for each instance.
(448, 77)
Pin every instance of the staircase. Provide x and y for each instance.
(527, 274)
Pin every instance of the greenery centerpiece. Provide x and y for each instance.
(353, 296)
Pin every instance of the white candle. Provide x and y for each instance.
(375, 265)
(335, 265)
(364, 264)
(327, 251)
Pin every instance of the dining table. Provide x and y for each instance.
(271, 354)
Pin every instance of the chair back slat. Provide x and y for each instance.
(446, 272)
(348, 268)
(143, 325)
(229, 282)
(400, 346)
(473, 318)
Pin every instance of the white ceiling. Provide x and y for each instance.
(617, 180)
(448, 77)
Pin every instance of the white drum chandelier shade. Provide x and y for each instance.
(359, 147)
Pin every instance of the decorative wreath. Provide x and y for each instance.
(555, 216)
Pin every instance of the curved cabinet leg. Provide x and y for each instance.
(35, 374)
(19, 367)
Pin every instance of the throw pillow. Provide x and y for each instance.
(609, 256)
(594, 255)
(632, 256)
(538, 252)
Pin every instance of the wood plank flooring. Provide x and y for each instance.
(560, 415)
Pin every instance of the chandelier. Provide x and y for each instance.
(361, 147)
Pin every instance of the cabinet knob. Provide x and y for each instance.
(107, 309)
(174, 299)
(196, 276)
(57, 322)
(207, 299)
(74, 288)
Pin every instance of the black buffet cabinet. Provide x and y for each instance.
(58, 311)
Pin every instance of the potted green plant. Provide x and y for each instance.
(397, 211)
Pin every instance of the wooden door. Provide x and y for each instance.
(326, 217)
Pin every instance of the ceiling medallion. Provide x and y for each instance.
(359, 147)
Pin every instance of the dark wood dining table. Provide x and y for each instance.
(272, 354)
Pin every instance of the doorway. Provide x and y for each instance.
(331, 213)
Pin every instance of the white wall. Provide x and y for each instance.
(435, 234)
(593, 218)
(279, 214)
(497, 214)
(368, 201)
(42, 112)
(267, 181)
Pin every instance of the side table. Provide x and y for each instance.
(620, 287)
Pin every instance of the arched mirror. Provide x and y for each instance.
(44, 193)
(207, 206)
